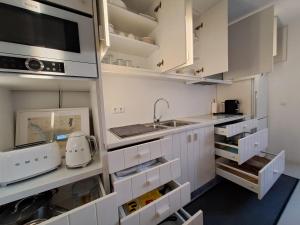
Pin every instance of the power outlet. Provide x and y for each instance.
(118, 109)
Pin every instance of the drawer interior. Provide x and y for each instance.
(232, 149)
(234, 140)
(248, 170)
(175, 219)
(152, 196)
(139, 168)
(223, 125)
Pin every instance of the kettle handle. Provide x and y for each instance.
(92, 139)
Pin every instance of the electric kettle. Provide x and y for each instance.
(79, 149)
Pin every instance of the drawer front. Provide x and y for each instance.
(252, 145)
(128, 157)
(157, 211)
(237, 128)
(103, 211)
(136, 185)
(270, 174)
(248, 147)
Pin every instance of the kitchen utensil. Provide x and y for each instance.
(79, 150)
(28, 162)
(26, 209)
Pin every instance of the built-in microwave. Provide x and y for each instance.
(38, 38)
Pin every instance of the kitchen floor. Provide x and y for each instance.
(290, 215)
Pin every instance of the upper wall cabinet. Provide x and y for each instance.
(150, 34)
(211, 42)
(85, 6)
(251, 45)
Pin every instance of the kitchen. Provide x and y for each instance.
(121, 102)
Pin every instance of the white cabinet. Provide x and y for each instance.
(211, 45)
(85, 6)
(195, 149)
(167, 27)
(251, 45)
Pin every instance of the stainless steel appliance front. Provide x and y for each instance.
(34, 32)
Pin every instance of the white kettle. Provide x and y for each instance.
(79, 150)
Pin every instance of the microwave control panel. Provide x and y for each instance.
(31, 64)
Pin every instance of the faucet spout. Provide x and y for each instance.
(155, 119)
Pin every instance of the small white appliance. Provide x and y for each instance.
(79, 149)
(21, 164)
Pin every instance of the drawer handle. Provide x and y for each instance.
(160, 212)
(245, 126)
(143, 153)
(151, 180)
(256, 144)
(275, 171)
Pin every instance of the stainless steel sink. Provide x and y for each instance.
(174, 123)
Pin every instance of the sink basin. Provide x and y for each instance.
(174, 123)
(136, 129)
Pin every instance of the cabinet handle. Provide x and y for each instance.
(161, 63)
(157, 7)
(275, 171)
(189, 138)
(200, 26)
(195, 137)
(162, 210)
(200, 70)
(256, 144)
(151, 180)
(143, 153)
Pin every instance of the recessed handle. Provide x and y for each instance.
(160, 212)
(189, 138)
(151, 180)
(195, 137)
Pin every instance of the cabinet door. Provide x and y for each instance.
(251, 45)
(80, 5)
(58, 220)
(85, 214)
(211, 49)
(107, 210)
(103, 27)
(171, 35)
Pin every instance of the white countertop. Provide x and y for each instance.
(199, 121)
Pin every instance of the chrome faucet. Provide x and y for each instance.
(155, 119)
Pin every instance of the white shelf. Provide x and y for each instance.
(131, 46)
(57, 178)
(109, 69)
(130, 22)
(206, 81)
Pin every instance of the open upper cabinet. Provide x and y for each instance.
(146, 34)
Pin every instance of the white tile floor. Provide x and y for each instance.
(291, 214)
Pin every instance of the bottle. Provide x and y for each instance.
(214, 107)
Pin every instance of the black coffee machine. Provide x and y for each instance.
(231, 107)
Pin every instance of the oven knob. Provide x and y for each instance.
(34, 64)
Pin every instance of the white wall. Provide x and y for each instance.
(284, 99)
(138, 95)
(6, 120)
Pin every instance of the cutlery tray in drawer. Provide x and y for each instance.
(138, 180)
(234, 128)
(173, 196)
(257, 174)
(243, 148)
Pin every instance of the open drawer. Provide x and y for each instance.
(130, 156)
(233, 128)
(174, 198)
(183, 218)
(244, 148)
(102, 211)
(257, 174)
(138, 180)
